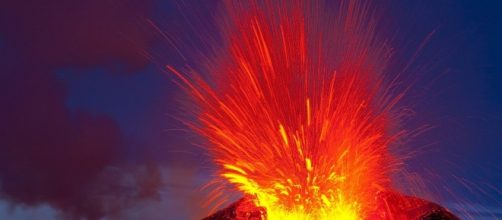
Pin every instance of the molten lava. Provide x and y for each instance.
(296, 110)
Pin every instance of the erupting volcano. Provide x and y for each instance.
(299, 115)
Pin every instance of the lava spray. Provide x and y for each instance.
(296, 108)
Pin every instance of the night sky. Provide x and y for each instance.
(89, 117)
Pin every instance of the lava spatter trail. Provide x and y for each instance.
(296, 108)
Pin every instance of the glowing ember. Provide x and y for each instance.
(297, 114)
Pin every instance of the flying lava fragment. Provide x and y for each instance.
(299, 116)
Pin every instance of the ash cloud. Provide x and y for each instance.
(49, 155)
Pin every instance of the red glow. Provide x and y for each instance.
(296, 111)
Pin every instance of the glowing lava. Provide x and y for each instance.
(295, 109)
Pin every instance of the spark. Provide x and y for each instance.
(294, 110)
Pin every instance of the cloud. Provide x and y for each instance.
(71, 161)
(59, 32)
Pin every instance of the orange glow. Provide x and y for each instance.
(295, 110)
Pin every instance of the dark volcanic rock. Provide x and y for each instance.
(244, 209)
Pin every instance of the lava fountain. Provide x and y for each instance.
(298, 114)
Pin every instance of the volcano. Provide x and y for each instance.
(392, 206)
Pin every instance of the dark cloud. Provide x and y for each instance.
(69, 160)
(59, 32)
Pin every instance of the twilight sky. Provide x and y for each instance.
(89, 123)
